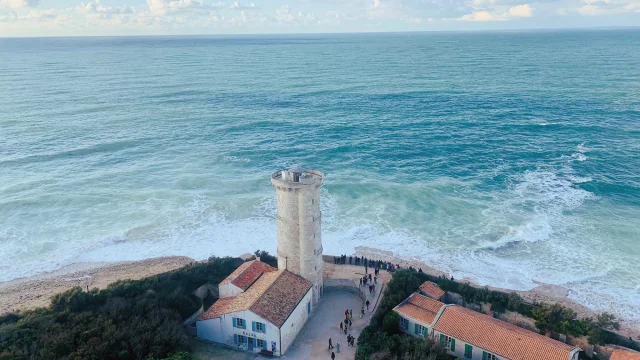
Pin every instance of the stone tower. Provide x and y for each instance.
(299, 224)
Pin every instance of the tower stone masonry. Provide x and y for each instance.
(299, 224)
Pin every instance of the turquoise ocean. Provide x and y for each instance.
(507, 158)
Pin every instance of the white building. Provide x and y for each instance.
(468, 334)
(260, 309)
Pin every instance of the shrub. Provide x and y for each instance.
(139, 319)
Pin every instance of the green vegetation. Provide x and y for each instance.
(553, 318)
(139, 319)
(381, 340)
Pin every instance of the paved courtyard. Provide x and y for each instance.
(313, 341)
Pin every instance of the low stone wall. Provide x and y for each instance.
(344, 285)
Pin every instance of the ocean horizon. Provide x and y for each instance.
(508, 158)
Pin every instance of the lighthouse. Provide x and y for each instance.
(299, 224)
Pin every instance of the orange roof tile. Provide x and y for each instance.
(499, 337)
(282, 297)
(247, 273)
(432, 290)
(624, 355)
(273, 297)
(242, 301)
(420, 308)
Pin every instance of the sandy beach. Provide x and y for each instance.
(32, 292)
(36, 291)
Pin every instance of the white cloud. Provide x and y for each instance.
(16, 4)
(237, 5)
(523, 10)
(285, 14)
(479, 16)
(609, 7)
(519, 11)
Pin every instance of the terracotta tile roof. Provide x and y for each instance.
(624, 355)
(247, 273)
(281, 298)
(242, 301)
(420, 308)
(273, 297)
(432, 290)
(499, 337)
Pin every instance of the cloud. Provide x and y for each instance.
(285, 14)
(94, 8)
(16, 4)
(479, 16)
(519, 11)
(608, 7)
(237, 5)
(523, 10)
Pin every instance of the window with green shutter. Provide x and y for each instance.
(488, 356)
(417, 329)
(468, 351)
(442, 339)
(453, 344)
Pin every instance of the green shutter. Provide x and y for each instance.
(453, 344)
(244, 324)
(484, 355)
(264, 344)
(234, 321)
(441, 339)
(253, 326)
(425, 331)
(235, 338)
(468, 351)
(417, 329)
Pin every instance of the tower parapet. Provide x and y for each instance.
(299, 224)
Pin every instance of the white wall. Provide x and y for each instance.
(221, 329)
(210, 329)
(296, 321)
(228, 290)
(459, 351)
(411, 330)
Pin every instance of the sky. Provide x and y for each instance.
(181, 17)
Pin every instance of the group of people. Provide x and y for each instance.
(367, 279)
(344, 326)
(368, 263)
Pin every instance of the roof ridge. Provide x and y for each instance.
(279, 272)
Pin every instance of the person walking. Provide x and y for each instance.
(375, 279)
(338, 348)
(333, 355)
(341, 326)
(362, 312)
(350, 323)
(330, 344)
(366, 303)
(360, 281)
(350, 313)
